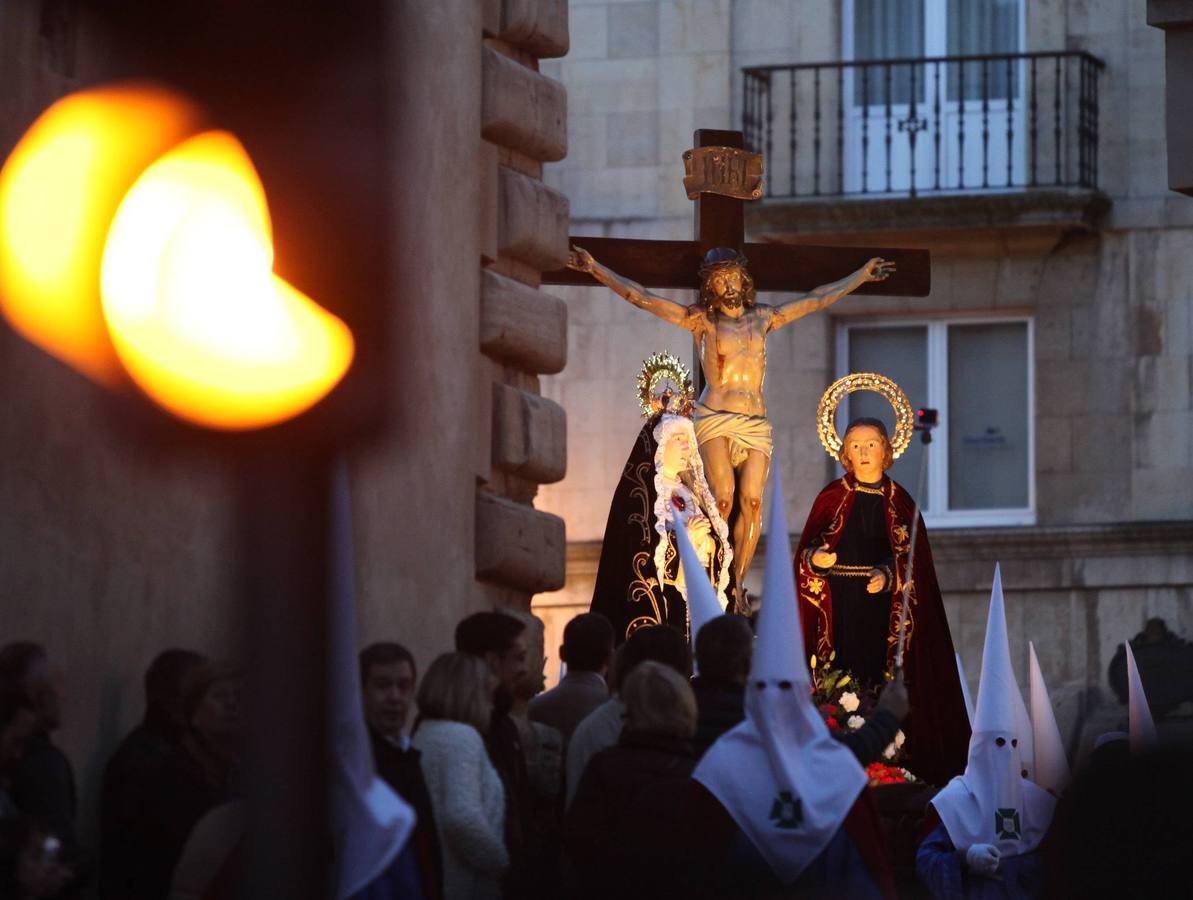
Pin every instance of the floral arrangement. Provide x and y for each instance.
(845, 703)
(880, 773)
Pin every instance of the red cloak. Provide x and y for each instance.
(937, 727)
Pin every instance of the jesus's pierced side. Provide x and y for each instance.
(730, 330)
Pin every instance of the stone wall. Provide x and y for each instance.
(523, 331)
(112, 555)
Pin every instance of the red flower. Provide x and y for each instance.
(679, 502)
(832, 725)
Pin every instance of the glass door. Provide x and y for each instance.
(914, 126)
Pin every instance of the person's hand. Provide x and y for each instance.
(982, 859)
(581, 260)
(878, 269)
(699, 528)
(894, 697)
(877, 581)
(824, 558)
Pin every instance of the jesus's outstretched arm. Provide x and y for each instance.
(668, 310)
(876, 269)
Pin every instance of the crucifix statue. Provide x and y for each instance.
(728, 326)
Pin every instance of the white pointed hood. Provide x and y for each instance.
(1142, 727)
(787, 783)
(965, 690)
(1051, 768)
(1027, 751)
(703, 605)
(992, 803)
(370, 823)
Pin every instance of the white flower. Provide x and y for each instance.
(855, 722)
(899, 738)
(889, 752)
(849, 701)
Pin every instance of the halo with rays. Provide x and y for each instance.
(826, 412)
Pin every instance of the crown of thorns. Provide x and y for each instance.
(720, 258)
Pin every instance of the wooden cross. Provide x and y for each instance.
(720, 222)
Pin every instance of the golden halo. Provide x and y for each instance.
(826, 413)
(665, 385)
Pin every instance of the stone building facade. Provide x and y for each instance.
(98, 536)
(1096, 277)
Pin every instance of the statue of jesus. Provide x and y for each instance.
(730, 331)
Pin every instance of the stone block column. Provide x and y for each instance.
(523, 331)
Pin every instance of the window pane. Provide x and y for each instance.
(977, 27)
(899, 354)
(887, 29)
(987, 425)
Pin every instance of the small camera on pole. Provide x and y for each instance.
(925, 420)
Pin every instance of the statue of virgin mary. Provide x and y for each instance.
(639, 579)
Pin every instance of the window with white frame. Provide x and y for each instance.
(978, 374)
(960, 105)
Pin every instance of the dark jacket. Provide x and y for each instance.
(401, 770)
(126, 833)
(523, 838)
(622, 826)
(189, 783)
(720, 706)
(43, 786)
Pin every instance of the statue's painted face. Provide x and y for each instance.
(677, 454)
(866, 451)
(728, 286)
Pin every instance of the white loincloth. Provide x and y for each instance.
(745, 433)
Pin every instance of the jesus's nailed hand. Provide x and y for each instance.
(580, 260)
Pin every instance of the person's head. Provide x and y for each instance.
(387, 680)
(18, 723)
(458, 687)
(725, 283)
(25, 665)
(31, 862)
(724, 649)
(587, 643)
(659, 701)
(211, 703)
(866, 450)
(164, 680)
(660, 643)
(500, 641)
(535, 679)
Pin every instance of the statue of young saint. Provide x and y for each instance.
(730, 329)
(850, 569)
(639, 578)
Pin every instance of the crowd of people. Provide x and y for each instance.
(586, 790)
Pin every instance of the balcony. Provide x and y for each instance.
(994, 145)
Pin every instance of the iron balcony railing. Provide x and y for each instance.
(944, 124)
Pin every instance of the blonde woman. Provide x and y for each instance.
(455, 702)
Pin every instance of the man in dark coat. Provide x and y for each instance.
(131, 776)
(388, 678)
(500, 640)
(724, 647)
(587, 650)
(849, 571)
